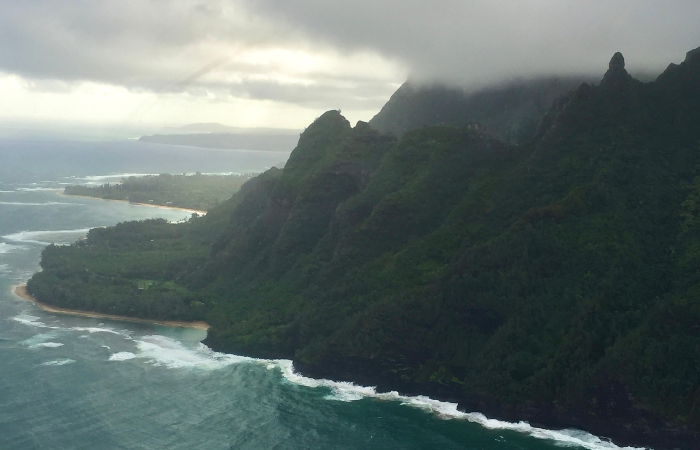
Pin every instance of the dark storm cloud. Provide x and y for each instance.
(176, 45)
(484, 41)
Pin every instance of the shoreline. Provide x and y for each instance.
(21, 292)
(196, 211)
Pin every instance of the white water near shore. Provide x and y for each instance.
(162, 351)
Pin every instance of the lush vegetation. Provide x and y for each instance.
(560, 275)
(200, 192)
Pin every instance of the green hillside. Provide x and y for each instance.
(556, 282)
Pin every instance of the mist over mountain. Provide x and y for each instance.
(510, 112)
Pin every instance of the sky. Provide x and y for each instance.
(282, 63)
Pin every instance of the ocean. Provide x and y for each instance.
(70, 382)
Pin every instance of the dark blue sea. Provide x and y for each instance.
(70, 382)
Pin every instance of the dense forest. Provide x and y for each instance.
(200, 192)
(556, 281)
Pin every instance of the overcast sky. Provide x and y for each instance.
(281, 63)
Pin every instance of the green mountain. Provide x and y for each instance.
(555, 282)
(510, 112)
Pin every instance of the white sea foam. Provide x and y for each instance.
(97, 179)
(41, 204)
(102, 329)
(34, 321)
(58, 362)
(122, 356)
(36, 189)
(46, 345)
(46, 237)
(167, 352)
(445, 410)
(6, 192)
(38, 339)
(6, 248)
(26, 319)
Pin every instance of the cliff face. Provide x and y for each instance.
(555, 282)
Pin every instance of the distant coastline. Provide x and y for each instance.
(21, 292)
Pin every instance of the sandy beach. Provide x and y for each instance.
(21, 292)
(197, 211)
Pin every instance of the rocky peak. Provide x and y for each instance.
(616, 70)
(693, 57)
(617, 63)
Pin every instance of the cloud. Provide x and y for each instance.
(167, 46)
(477, 42)
(322, 54)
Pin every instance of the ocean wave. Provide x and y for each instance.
(121, 356)
(344, 391)
(59, 362)
(26, 319)
(166, 352)
(6, 248)
(91, 330)
(35, 237)
(46, 345)
(41, 204)
(34, 321)
(36, 189)
(95, 178)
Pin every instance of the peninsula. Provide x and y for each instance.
(197, 192)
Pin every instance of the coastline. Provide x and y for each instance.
(196, 211)
(21, 292)
(628, 427)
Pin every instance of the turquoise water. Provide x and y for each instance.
(79, 383)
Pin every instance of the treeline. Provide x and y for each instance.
(200, 192)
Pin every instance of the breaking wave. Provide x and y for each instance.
(41, 204)
(122, 356)
(37, 189)
(46, 345)
(59, 362)
(34, 321)
(46, 237)
(166, 352)
(162, 351)
(445, 410)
